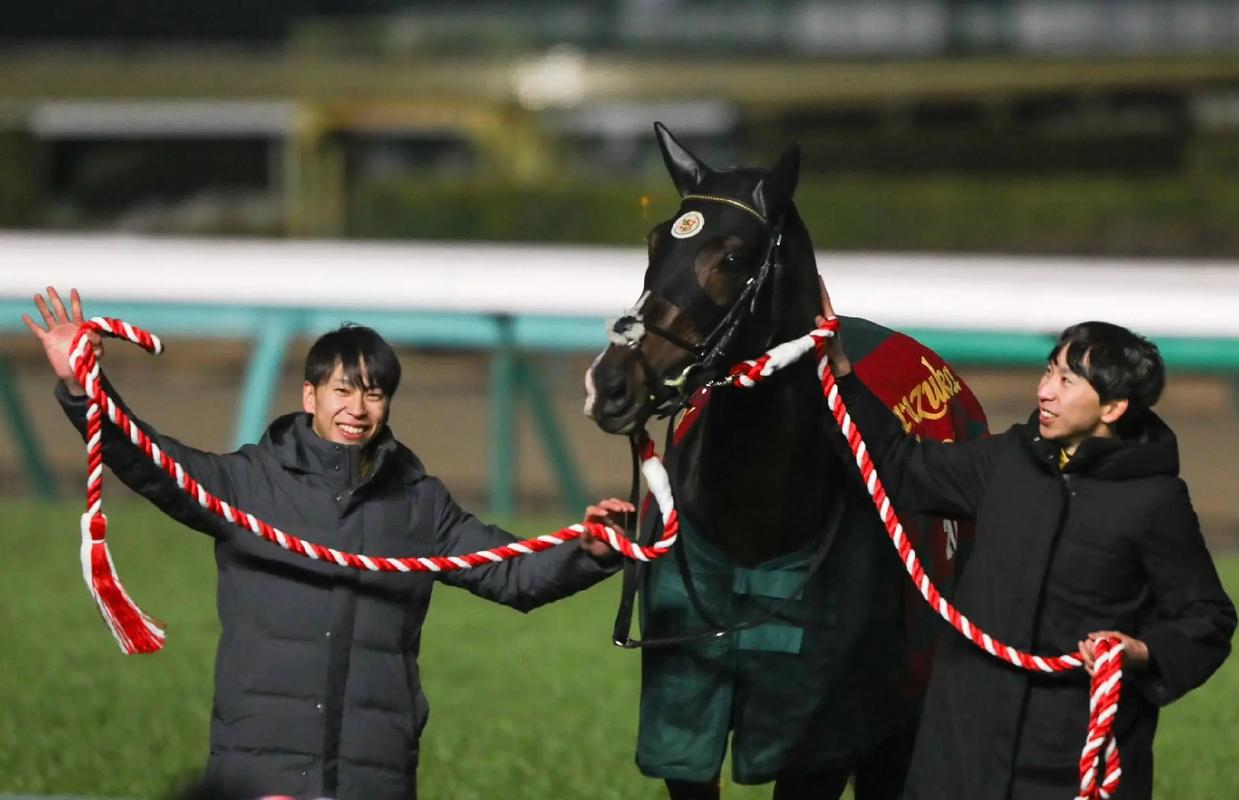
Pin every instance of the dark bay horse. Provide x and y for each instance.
(809, 664)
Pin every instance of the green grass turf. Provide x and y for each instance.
(524, 707)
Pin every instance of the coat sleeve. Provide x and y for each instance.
(524, 583)
(216, 473)
(1190, 635)
(940, 478)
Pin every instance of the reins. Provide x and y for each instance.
(630, 328)
(634, 573)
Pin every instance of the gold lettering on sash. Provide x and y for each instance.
(928, 399)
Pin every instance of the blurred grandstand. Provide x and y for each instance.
(1076, 127)
(1110, 125)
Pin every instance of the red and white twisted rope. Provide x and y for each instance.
(136, 632)
(1100, 744)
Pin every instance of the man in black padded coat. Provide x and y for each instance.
(1084, 530)
(317, 691)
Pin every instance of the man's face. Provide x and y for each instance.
(1070, 409)
(343, 413)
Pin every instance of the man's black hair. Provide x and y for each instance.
(363, 354)
(1118, 364)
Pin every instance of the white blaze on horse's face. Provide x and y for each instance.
(591, 391)
(617, 413)
(627, 330)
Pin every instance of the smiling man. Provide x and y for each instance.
(1083, 530)
(1070, 406)
(350, 377)
(317, 689)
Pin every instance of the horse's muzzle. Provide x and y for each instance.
(613, 401)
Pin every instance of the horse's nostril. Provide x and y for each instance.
(617, 391)
(612, 385)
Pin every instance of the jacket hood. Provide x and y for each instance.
(1153, 450)
(293, 442)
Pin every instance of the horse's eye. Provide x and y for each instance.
(729, 260)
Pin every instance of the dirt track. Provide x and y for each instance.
(442, 412)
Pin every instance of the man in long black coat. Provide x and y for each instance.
(1084, 529)
(317, 690)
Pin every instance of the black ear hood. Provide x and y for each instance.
(774, 193)
(687, 171)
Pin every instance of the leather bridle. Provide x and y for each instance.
(668, 395)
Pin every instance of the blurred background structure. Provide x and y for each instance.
(1054, 127)
(1087, 127)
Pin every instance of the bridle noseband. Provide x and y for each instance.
(630, 328)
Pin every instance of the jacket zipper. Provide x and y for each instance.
(1068, 493)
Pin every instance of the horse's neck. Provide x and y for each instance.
(752, 475)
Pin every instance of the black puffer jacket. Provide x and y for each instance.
(316, 681)
(1110, 542)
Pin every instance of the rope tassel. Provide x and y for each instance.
(133, 629)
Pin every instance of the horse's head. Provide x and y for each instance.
(730, 272)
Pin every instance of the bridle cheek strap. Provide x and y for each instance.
(683, 291)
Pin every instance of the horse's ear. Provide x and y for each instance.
(686, 169)
(774, 192)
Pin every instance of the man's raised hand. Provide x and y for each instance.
(57, 336)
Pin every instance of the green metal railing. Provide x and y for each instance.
(508, 340)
